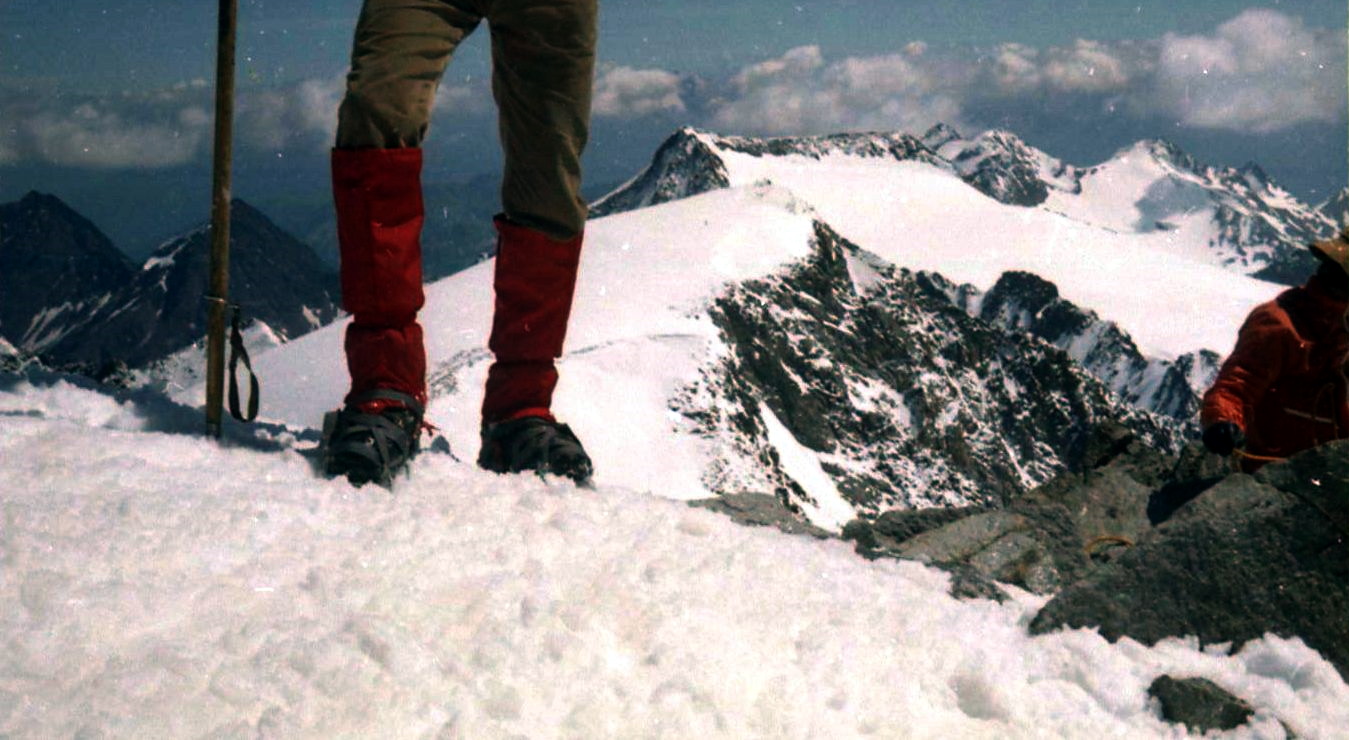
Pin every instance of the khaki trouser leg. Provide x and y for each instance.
(399, 54)
(543, 67)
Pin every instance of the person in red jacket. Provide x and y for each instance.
(1283, 388)
(543, 61)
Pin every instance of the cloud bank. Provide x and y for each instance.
(1262, 72)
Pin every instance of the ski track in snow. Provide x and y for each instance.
(158, 585)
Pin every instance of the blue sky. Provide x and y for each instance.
(109, 100)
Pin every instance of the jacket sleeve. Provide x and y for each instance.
(1262, 350)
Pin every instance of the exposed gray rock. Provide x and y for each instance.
(893, 528)
(683, 166)
(760, 510)
(1041, 541)
(1250, 556)
(1337, 208)
(887, 536)
(1199, 704)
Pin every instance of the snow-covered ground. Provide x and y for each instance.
(158, 585)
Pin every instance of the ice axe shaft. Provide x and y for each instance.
(217, 296)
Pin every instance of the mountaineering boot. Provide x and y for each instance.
(534, 443)
(535, 280)
(372, 438)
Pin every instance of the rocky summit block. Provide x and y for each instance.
(1199, 704)
(1248, 556)
(1150, 545)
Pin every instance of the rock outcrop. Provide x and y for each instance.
(1232, 557)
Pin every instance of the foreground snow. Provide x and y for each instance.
(158, 585)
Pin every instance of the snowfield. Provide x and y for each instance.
(159, 585)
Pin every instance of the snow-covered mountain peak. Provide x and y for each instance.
(1235, 218)
(1337, 208)
(691, 161)
(1166, 153)
(1003, 166)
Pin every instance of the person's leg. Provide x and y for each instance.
(400, 52)
(543, 57)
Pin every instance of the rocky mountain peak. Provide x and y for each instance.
(1166, 152)
(1337, 208)
(939, 135)
(905, 397)
(55, 266)
(274, 277)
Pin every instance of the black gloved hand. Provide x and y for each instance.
(1222, 437)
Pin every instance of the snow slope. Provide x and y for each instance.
(926, 218)
(157, 585)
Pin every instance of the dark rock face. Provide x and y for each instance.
(683, 166)
(1337, 209)
(690, 162)
(1001, 166)
(273, 276)
(55, 268)
(907, 400)
(1199, 704)
(1250, 555)
(1021, 301)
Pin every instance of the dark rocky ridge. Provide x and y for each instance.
(1337, 208)
(55, 267)
(1199, 704)
(1021, 301)
(907, 399)
(274, 277)
(683, 166)
(1250, 556)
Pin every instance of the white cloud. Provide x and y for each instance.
(303, 113)
(1088, 66)
(1262, 71)
(95, 135)
(1015, 68)
(624, 92)
(800, 93)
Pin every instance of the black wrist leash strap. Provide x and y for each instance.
(238, 352)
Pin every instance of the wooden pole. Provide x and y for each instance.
(217, 296)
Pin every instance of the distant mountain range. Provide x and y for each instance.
(1233, 217)
(71, 298)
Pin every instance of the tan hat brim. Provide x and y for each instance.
(1336, 250)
